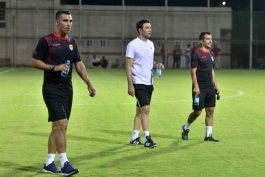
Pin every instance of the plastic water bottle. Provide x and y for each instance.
(217, 95)
(158, 71)
(64, 73)
(196, 100)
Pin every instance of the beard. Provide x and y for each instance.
(207, 47)
(147, 36)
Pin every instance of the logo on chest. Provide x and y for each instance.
(71, 47)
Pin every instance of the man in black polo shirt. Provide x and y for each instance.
(204, 86)
(50, 55)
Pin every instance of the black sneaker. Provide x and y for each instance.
(68, 170)
(184, 133)
(136, 141)
(51, 168)
(210, 138)
(149, 142)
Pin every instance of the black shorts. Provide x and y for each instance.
(207, 99)
(59, 106)
(143, 94)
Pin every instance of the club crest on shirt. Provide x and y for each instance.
(71, 47)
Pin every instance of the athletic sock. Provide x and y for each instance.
(63, 158)
(187, 126)
(146, 133)
(50, 159)
(135, 134)
(209, 130)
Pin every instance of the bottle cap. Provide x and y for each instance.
(91, 94)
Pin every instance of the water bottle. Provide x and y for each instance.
(217, 95)
(196, 100)
(64, 73)
(158, 71)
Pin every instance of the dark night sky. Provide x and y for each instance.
(237, 5)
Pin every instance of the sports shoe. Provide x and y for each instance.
(210, 138)
(136, 141)
(68, 170)
(149, 142)
(51, 168)
(184, 133)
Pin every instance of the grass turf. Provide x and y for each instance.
(100, 127)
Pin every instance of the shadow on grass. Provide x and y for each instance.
(120, 148)
(115, 151)
(126, 147)
(117, 132)
(19, 170)
(73, 137)
(149, 153)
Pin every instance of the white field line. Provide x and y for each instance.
(6, 71)
(238, 93)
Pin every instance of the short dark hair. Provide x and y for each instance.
(60, 12)
(202, 35)
(141, 23)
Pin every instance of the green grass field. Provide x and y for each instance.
(100, 128)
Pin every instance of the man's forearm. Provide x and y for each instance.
(129, 76)
(81, 70)
(194, 79)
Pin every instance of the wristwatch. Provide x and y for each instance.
(52, 67)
